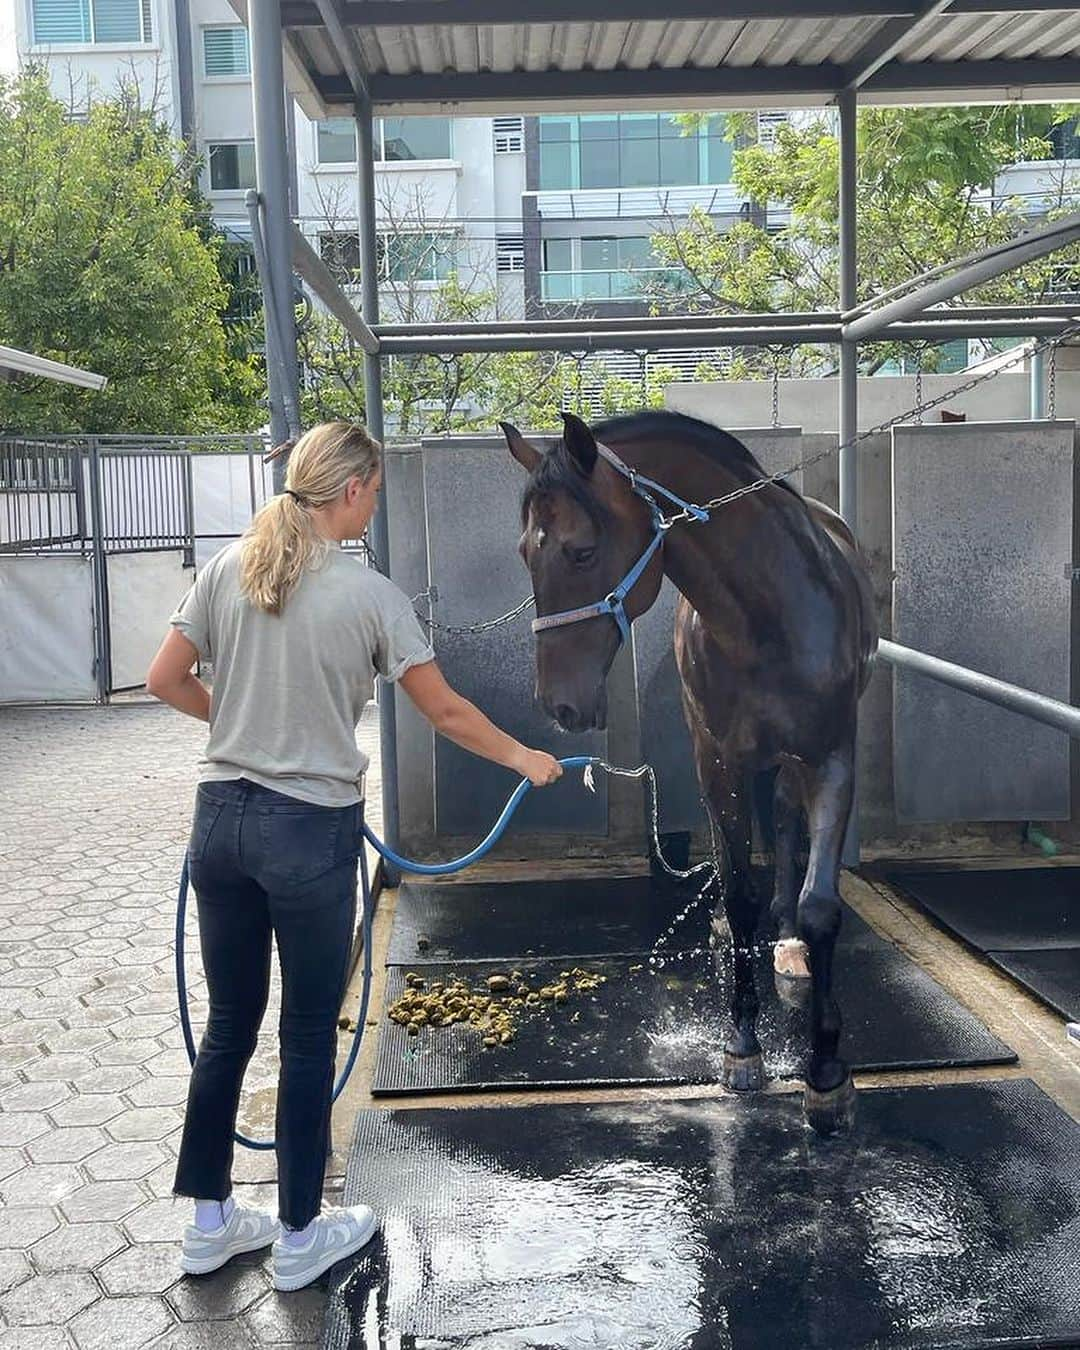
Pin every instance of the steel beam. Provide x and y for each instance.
(915, 77)
(272, 175)
(1050, 711)
(982, 267)
(323, 282)
(888, 41)
(491, 13)
(330, 13)
(651, 323)
(284, 406)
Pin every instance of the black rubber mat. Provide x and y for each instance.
(487, 921)
(948, 1220)
(665, 1022)
(1025, 920)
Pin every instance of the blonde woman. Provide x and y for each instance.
(297, 631)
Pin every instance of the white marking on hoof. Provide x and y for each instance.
(791, 956)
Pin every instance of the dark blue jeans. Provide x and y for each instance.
(262, 863)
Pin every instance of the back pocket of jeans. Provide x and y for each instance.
(207, 813)
(299, 845)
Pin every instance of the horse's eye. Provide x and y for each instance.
(583, 556)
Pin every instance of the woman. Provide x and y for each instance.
(297, 630)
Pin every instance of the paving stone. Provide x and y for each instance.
(40, 1185)
(120, 1324)
(147, 1268)
(284, 1319)
(18, 1054)
(11, 1159)
(122, 1162)
(225, 1294)
(55, 1068)
(77, 1040)
(72, 1145)
(94, 1109)
(21, 1228)
(34, 1338)
(49, 1300)
(171, 1091)
(127, 1052)
(112, 1078)
(204, 1336)
(147, 1123)
(102, 1200)
(19, 1127)
(35, 1096)
(161, 1220)
(14, 1268)
(77, 1246)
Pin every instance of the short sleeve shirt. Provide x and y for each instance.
(290, 688)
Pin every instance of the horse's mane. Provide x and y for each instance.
(557, 471)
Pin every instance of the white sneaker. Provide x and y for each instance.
(336, 1234)
(245, 1230)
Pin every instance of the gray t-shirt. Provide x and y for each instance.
(289, 688)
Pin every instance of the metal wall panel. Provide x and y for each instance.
(982, 546)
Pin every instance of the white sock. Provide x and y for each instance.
(298, 1237)
(210, 1215)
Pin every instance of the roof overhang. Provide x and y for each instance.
(25, 363)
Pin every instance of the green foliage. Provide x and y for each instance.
(923, 176)
(108, 261)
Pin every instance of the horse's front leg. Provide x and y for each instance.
(830, 1094)
(729, 810)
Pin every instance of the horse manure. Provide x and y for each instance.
(498, 984)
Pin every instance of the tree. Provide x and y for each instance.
(108, 261)
(925, 195)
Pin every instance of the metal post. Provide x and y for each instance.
(373, 413)
(102, 654)
(848, 421)
(272, 173)
(1038, 386)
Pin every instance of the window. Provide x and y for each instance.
(91, 21)
(225, 52)
(509, 135)
(403, 258)
(768, 123)
(631, 150)
(232, 166)
(1065, 139)
(510, 253)
(396, 139)
(617, 267)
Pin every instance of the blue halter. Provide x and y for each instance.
(614, 603)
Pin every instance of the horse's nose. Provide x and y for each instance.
(567, 717)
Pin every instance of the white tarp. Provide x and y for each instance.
(46, 629)
(144, 589)
(226, 491)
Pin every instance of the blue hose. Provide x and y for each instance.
(406, 865)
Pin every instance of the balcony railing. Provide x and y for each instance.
(612, 284)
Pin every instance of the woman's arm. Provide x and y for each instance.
(170, 679)
(463, 723)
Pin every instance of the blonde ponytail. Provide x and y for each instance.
(282, 539)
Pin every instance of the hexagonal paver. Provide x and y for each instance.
(71, 1145)
(40, 1185)
(77, 1246)
(123, 1162)
(14, 1268)
(49, 1300)
(93, 1109)
(148, 1268)
(19, 1127)
(55, 1068)
(114, 1078)
(11, 1159)
(35, 1096)
(38, 1338)
(159, 1091)
(152, 1122)
(21, 1228)
(18, 1054)
(226, 1293)
(161, 1220)
(77, 1040)
(102, 1200)
(120, 1324)
(127, 1052)
(284, 1319)
(204, 1336)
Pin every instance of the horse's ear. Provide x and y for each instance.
(579, 442)
(523, 451)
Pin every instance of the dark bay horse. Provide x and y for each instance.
(774, 635)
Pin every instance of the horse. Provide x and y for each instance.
(775, 633)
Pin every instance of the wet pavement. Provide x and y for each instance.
(93, 1076)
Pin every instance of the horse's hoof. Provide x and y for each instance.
(831, 1112)
(792, 990)
(743, 1073)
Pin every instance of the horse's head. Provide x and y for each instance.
(583, 530)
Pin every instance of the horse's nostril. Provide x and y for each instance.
(565, 715)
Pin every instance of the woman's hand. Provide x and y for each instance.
(540, 768)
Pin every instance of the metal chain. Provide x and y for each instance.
(776, 393)
(468, 629)
(918, 387)
(1051, 384)
(1047, 344)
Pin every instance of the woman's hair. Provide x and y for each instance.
(282, 540)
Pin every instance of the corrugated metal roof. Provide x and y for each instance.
(679, 54)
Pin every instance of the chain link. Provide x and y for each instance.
(1051, 385)
(467, 629)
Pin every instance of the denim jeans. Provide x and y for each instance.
(262, 863)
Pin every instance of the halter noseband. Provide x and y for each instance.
(614, 603)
